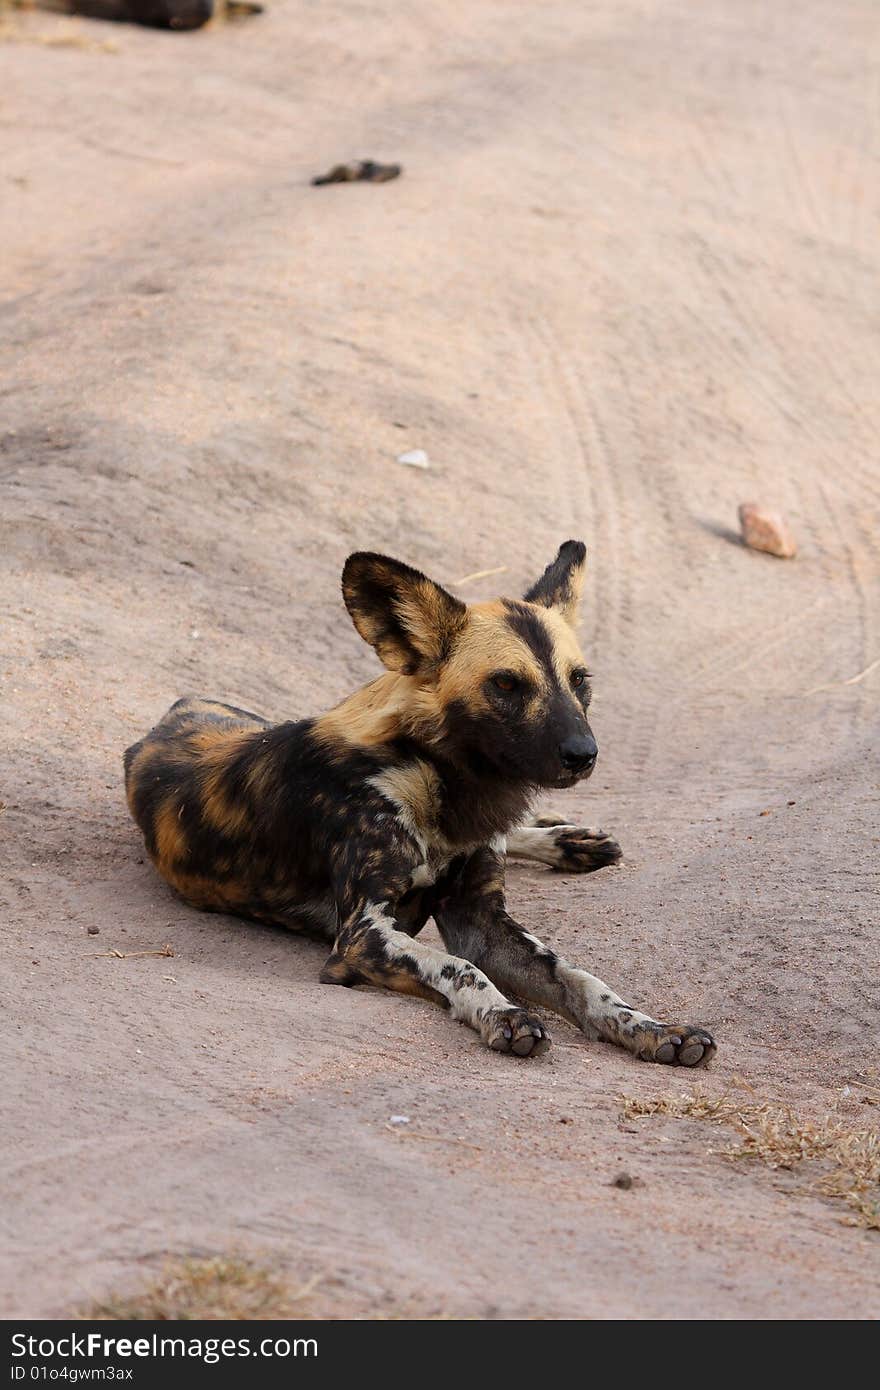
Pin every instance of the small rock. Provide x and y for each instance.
(415, 458)
(625, 1181)
(765, 530)
(157, 14)
(93, 931)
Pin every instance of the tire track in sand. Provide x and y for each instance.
(614, 487)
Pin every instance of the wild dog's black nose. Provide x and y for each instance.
(579, 752)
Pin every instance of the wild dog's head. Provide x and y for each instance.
(500, 684)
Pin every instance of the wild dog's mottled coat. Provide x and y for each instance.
(401, 804)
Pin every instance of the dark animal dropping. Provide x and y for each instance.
(359, 171)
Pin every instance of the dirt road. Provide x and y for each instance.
(627, 281)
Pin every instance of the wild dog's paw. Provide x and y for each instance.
(515, 1030)
(583, 851)
(683, 1047)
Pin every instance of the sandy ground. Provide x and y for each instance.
(628, 280)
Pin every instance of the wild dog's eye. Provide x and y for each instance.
(579, 678)
(506, 681)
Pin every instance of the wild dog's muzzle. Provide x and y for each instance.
(578, 754)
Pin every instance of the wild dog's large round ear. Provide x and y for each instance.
(562, 581)
(410, 620)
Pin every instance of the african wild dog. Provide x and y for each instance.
(394, 807)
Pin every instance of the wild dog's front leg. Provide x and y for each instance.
(372, 948)
(570, 848)
(472, 918)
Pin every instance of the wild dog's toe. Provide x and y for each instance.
(697, 1048)
(531, 1044)
(584, 851)
(515, 1030)
(683, 1047)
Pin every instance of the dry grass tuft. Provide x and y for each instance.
(216, 1288)
(774, 1135)
(192, 1288)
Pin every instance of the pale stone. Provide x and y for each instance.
(415, 458)
(763, 529)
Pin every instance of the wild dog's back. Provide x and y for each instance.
(181, 781)
(191, 726)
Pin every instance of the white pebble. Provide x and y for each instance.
(416, 458)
